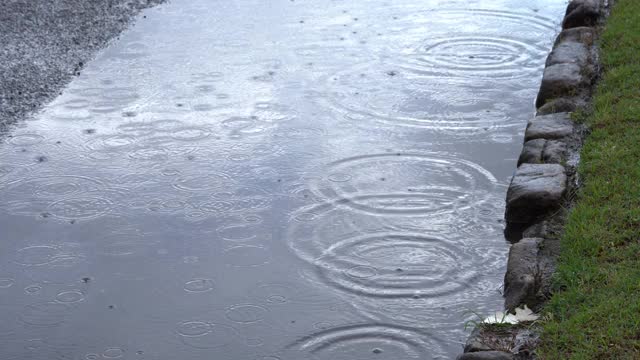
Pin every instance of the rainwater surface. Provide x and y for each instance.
(272, 180)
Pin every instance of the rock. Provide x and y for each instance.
(576, 4)
(563, 104)
(543, 229)
(583, 34)
(582, 13)
(530, 268)
(525, 343)
(542, 151)
(478, 341)
(535, 190)
(486, 355)
(513, 231)
(547, 257)
(569, 52)
(554, 152)
(561, 80)
(532, 152)
(552, 126)
(521, 282)
(515, 340)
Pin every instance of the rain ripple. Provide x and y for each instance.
(406, 183)
(364, 341)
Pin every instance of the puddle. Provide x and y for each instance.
(272, 180)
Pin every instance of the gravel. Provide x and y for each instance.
(44, 43)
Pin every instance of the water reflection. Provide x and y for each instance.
(272, 180)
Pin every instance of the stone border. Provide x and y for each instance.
(542, 186)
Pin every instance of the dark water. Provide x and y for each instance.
(272, 180)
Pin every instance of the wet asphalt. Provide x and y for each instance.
(44, 44)
(253, 179)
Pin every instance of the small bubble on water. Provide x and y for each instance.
(6, 283)
(32, 289)
(72, 296)
(113, 353)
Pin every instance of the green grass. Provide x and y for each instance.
(595, 312)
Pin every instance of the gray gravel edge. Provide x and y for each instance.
(45, 43)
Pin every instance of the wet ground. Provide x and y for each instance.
(272, 180)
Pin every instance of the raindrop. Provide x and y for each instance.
(45, 314)
(193, 328)
(32, 289)
(246, 313)
(113, 353)
(202, 335)
(6, 283)
(199, 285)
(36, 255)
(71, 296)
